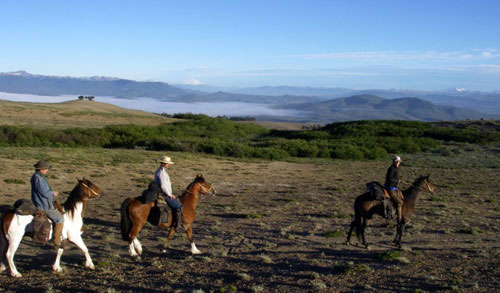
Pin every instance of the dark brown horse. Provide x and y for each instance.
(365, 207)
(134, 215)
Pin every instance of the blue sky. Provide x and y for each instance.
(426, 45)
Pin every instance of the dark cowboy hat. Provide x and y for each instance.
(41, 165)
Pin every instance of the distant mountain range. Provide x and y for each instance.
(371, 107)
(315, 104)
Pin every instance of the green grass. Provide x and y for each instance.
(14, 181)
(334, 234)
(389, 255)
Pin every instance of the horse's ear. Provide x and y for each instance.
(78, 179)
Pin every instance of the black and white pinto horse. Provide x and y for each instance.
(14, 226)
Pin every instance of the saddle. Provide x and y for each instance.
(380, 194)
(24, 207)
(151, 194)
(377, 191)
(159, 215)
(42, 227)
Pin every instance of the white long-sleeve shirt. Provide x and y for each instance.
(163, 180)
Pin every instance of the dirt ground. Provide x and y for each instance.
(272, 227)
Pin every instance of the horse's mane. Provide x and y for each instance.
(198, 178)
(411, 193)
(76, 195)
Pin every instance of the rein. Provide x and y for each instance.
(420, 188)
(202, 187)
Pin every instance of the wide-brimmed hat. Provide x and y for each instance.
(41, 165)
(166, 160)
(396, 159)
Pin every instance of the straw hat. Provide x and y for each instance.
(166, 160)
(41, 165)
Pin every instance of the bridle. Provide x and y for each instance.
(205, 190)
(90, 190)
(426, 188)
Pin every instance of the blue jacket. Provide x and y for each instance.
(41, 193)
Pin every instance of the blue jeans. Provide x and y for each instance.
(55, 216)
(173, 203)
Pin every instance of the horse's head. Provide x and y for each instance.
(424, 184)
(204, 187)
(89, 189)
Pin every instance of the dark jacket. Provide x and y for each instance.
(41, 193)
(392, 177)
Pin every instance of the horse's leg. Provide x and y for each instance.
(170, 235)
(363, 229)
(14, 227)
(77, 239)
(135, 247)
(348, 240)
(9, 255)
(189, 233)
(399, 233)
(57, 263)
(3, 250)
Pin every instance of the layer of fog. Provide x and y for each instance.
(156, 106)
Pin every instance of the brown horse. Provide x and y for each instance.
(365, 207)
(134, 215)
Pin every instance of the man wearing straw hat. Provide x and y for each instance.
(43, 198)
(163, 180)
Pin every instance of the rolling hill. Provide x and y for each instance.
(371, 107)
(77, 113)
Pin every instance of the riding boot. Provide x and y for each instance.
(57, 235)
(176, 218)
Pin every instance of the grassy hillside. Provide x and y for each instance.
(78, 113)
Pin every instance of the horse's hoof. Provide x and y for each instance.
(368, 247)
(347, 243)
(196, 252)
(90, 267)
(16, 275)
(57, 270)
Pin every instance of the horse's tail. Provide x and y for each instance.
(4, 243)
(125, 223)
(358, 221)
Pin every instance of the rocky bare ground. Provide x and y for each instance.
(273, 226)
